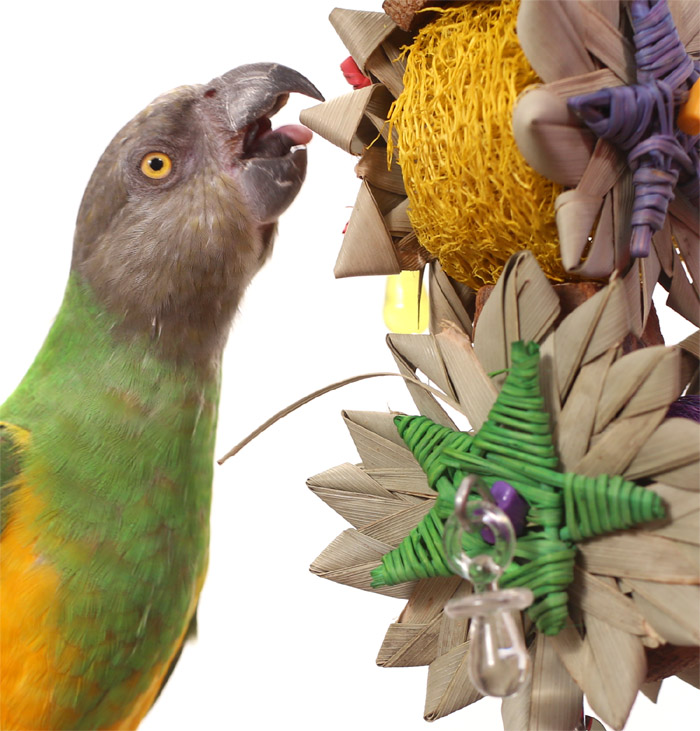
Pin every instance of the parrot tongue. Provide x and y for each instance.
(297, 133)
(262, 141)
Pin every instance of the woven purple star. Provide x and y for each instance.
(640, 119)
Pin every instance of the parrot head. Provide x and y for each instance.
(182, 208)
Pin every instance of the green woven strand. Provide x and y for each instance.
(514, 444)
(426, 440)
(595, 506)
(549, 613)
(419, 556)
(521, 396)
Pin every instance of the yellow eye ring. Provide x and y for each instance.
(156, 165)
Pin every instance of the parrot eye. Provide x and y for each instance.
(156, 165)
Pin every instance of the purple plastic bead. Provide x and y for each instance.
(515, 507)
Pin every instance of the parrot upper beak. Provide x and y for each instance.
(270, 165)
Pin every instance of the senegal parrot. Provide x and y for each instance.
(106, 446)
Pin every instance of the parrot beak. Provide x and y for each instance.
(269, 165)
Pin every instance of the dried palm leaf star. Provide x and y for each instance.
(515, 444)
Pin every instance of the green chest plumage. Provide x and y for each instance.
(121, 459)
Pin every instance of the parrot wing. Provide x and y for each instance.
(12, 439)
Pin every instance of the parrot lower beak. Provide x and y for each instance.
(269, 165)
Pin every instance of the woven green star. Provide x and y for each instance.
(515, 444)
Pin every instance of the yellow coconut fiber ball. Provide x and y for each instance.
(474, 200)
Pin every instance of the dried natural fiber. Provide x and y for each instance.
(474, 200)
(631, 590)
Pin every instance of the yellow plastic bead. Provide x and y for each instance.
(689, 114)
(402, 313)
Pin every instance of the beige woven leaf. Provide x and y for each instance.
(686, 529)
(549, 382)
(393, 529)
(610, 11)
(402, 482)
(349, 478)
(660, 388)
(411, 354)
(375, 450)
(679, 503)
(531, 709)
(589, 210)
(377, 110)
(397, 219)
(640, 555)
(639, 284)
(572, 650)
(358, 509)
(610, 692)
(682, 513)
(349, 559)
(386, 65)
(449, 685)
(577, 215)
(373, 168)
(367, 245)
(600, 596)
(361, 32)
(663, 246)
(382, 424)
(598, 324)
(446, 304)
(543, 125)
(651, 690)
(604, 41)
(414, 639)
(522, 306)
(342, 120)
(430, 596)
(612, 451)
(674, 444)
(683, 296)
(575, 423)
(454, 632)
(549, 680)
(475, 390)
(671, 609)
(686, 18)
(563, 21)
(423, 353)
(583, 84)
(409, 645)
(691, 344)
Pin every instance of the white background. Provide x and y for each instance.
(277, 646)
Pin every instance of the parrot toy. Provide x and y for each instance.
(106, 446)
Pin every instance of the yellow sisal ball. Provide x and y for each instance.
(474, 200)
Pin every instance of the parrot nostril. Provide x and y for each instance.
(209, 93)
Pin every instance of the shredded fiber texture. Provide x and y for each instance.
(474, 200)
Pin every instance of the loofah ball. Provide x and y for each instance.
(474, 200)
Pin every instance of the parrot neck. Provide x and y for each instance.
(89, 350)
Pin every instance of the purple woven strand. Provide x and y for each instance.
(686, 407)
(660, 55)
(640, 119)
